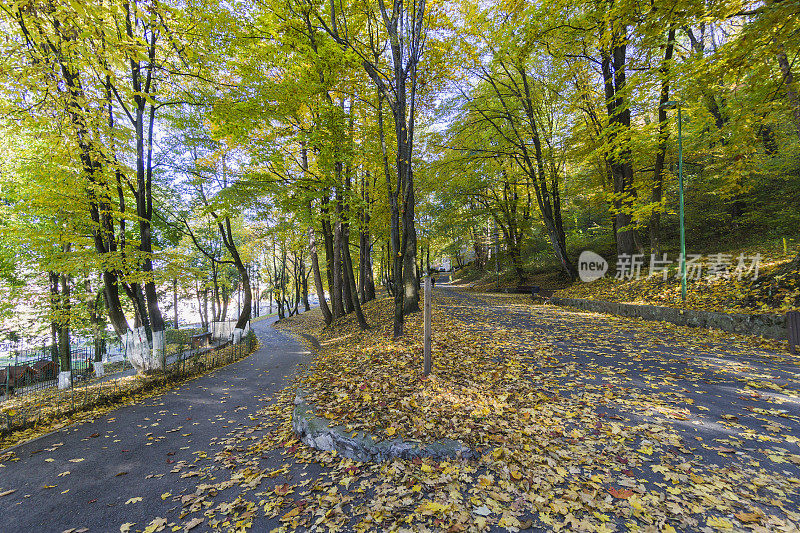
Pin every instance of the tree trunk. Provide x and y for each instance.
(224, 226)
(297, 282)
(55, 304)
(619, 117)
(410, 274)
(350, 280)
(396, 264)
(791, 89)
(94, 307)
(363, 243)
(336, 298)
(661, 153)
(304, 281)
(175, 301)
(64, 349)
(327, 236)
(216, 306)
(323, 304)
(226, 297)
(366, 277)
(370, 275)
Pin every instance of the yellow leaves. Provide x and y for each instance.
(157, 524)
(719, 523)
(193, 523)
(535, 421)
(76, 460)
(136, 499)
(764, 385)
(636, 503)
(62, 474)
(509, 521)
(647, 450)
(290, 515)
(430, 508)
(485, 480)
(559, 506)
(126, 527)
(166, 495)
(754, 516)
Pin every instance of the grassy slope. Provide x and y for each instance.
(774, 291)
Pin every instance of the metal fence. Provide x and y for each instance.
(29, 394)
(28, 370)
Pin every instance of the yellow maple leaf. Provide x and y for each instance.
(719, 523)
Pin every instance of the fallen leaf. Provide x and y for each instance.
(194, 522)
(622, 494)
(157, 524)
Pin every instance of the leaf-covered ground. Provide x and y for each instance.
(775, 290)
(584, 422)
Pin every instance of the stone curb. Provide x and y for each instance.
(766, 325)
(315, 432)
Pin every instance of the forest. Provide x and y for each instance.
(224, 161)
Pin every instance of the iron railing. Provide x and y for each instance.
(29, 393)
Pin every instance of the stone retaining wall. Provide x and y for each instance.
(315, 432)
(766, 325)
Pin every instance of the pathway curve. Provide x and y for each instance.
(83, 476)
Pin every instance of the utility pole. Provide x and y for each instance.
(672, 104)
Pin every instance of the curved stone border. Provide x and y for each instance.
(767, 325)
(315, 432)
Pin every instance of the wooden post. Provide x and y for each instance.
(427, 331)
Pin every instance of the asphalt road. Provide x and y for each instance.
(90, 475)
(736, 405)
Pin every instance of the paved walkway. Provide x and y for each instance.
(735, 405)
(83, 476)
